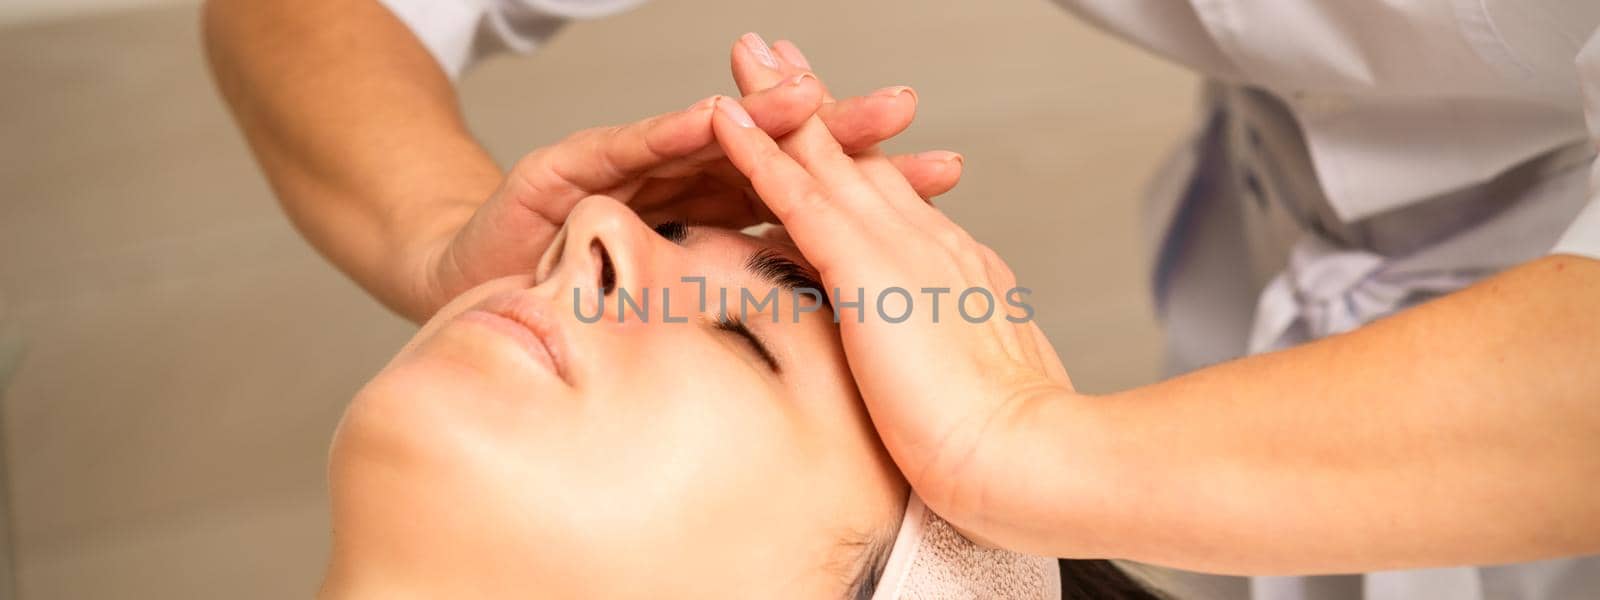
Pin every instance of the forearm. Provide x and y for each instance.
(357, 129)
(1464, 431)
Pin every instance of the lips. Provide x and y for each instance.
(532, 324)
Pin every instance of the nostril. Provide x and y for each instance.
(608, 273)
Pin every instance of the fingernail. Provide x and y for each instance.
(758, 47)
(895, 90)
(941, 156)
(791, 54)
(801, 79)
(731, 108)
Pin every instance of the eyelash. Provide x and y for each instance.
(676, 232)
(728, 324)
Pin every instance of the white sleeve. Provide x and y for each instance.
(459, 32)
(1583, 236)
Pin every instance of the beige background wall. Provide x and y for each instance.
(22, 12)
(184, 356)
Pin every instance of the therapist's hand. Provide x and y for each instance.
(942, 390)
(667, 168)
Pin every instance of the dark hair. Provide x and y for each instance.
(1080, 579)
(1101, 580)
(870, 563)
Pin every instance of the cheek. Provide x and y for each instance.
(427, 422)
(686, 419)
(679, 391)
(412, 422)
(397, 455)
(430, 465)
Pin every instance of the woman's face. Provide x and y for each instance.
(512, 448)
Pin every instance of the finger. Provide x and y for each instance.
(930, 173)
(785, 106)
(790, 53)
(859, 123)
(777, 110)
(601, 158)
(757, 68)
(898, 192)
(783, 184)
(825, 230)
(891, 185)
(811, 144)
(862, 122)
(746, 208)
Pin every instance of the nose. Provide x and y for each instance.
(603, 245)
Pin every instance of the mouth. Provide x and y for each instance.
(529, 322)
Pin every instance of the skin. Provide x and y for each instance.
(472, 467)
(1418, 441)
(1463, 431)
(359, 132)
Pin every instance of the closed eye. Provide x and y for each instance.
(737, 328)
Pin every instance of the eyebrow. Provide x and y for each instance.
(675, 231)
(766, 263)
(777, 269)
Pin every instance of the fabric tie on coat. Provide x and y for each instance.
(1326, 290)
